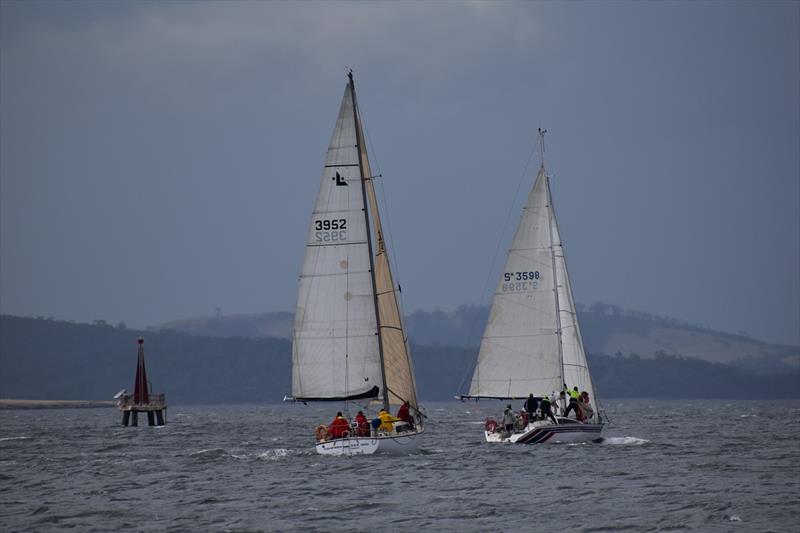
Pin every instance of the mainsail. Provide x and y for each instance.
(349, 340)
(532, 342)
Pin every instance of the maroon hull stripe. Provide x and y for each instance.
(544, 434)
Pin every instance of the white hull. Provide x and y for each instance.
(400, 444)
(540, 432)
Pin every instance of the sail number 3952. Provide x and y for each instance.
(334, 230)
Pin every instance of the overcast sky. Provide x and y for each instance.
(159, 160)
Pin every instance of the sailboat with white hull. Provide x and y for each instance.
(532, 342)
(349, 343)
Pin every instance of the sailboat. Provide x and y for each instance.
(532, 341)
(349, 342)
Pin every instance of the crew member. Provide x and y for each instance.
(545, 408)
(387, 421)
(339, 427)
(531, 405)
(508, 419)
(574, 405)
(404, 415)
(362, 425)
(586, 406)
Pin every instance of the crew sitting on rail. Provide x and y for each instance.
(404, 415)
(586, 407)
(523, 418)
(387, 421)
(339, 428)
(362, 425)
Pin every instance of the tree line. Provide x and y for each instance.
(56, 360)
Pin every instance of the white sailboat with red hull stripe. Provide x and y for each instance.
(532, 342)
(349, 343)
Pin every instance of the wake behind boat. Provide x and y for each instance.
(532, 344)
(349, 343)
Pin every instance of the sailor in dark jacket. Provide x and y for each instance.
(546, 411)
(531, 405)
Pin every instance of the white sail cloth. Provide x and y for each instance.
(335, 350)
(520, 352)
(341, 348)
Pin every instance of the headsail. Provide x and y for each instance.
(335, 350)
(576, 369)
(396, 359)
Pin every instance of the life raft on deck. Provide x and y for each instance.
(490, 425)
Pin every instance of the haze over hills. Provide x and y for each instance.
(47, 359)
(607, 329)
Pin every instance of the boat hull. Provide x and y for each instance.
(545, 432)
(400, 444)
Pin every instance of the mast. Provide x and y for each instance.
(359, 144)
(553, 257)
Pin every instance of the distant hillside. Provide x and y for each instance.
(278, 325)
(607, 329)
(52, 360)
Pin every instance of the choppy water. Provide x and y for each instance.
(665, 465)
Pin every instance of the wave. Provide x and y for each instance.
(624, 441)
(15, 438)
(211, 453)
(271, 455)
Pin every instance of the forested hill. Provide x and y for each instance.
(49, 359)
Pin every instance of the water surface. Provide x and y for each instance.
(665, 465)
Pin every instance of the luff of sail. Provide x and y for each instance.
(396, 359)
(335, 351)
(519, 352)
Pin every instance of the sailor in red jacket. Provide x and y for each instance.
(362, 425)
(340, 427)
(404, 415)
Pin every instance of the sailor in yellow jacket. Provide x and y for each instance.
(386, 421)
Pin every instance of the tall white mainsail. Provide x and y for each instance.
(335, 350)
(349, 339)
(519, 352)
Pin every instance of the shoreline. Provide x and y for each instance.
(8, 403)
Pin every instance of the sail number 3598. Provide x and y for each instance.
(520, 281)
(520, 276)
(333, 230)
